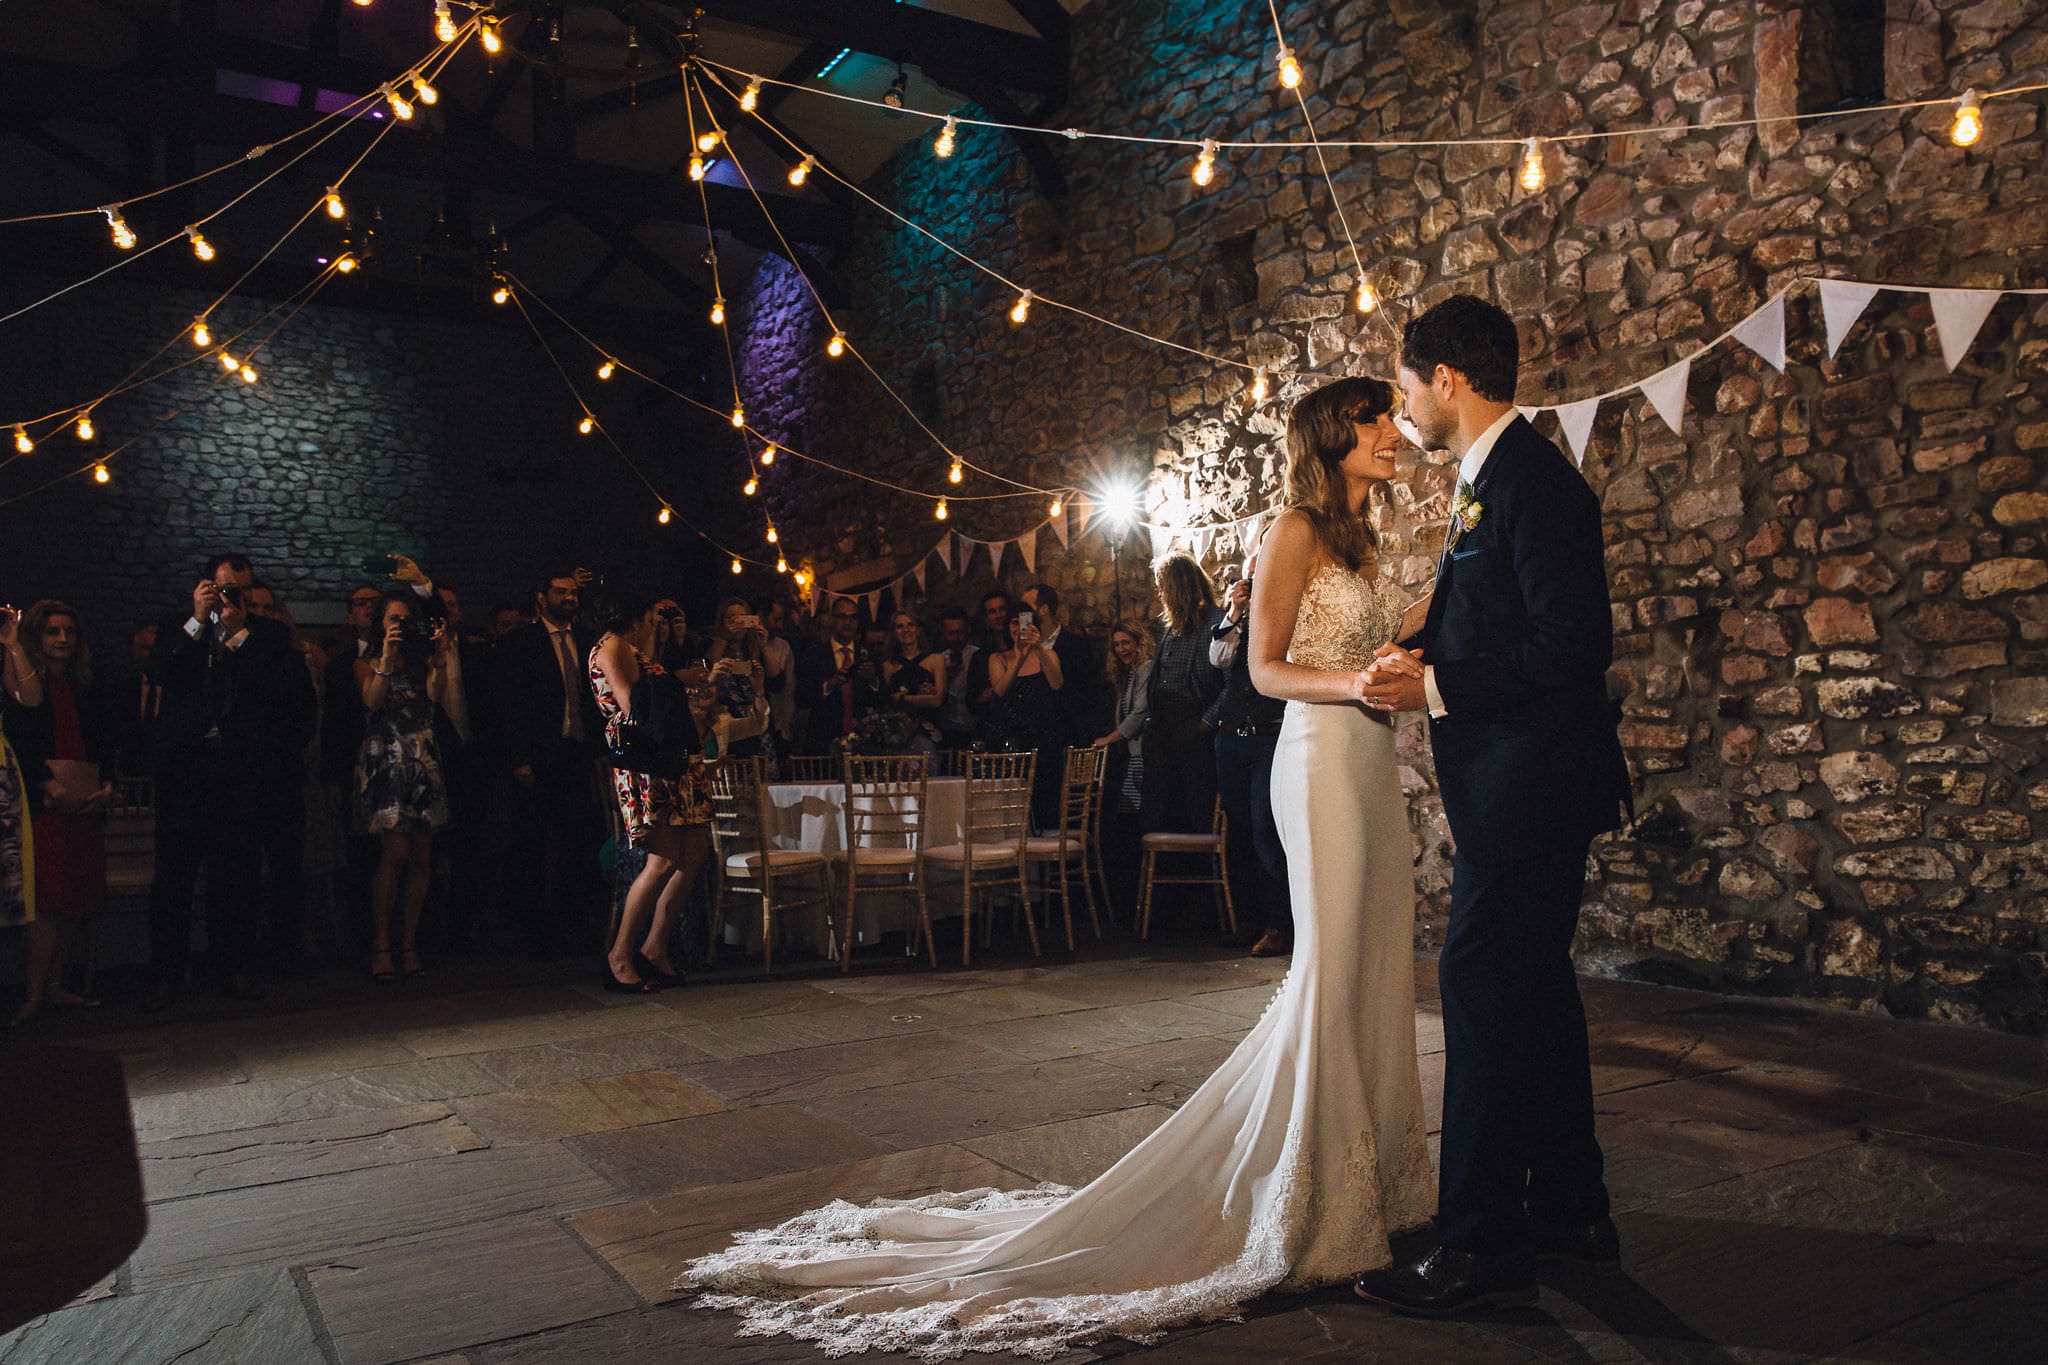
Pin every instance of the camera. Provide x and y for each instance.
(747, 623)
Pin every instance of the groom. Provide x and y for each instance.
(1510, 663)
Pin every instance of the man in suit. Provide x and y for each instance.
(828, 679)
(549, 741)
(235, 707)
(1510, 664)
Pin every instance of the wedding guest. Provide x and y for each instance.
(782, 678)
(131, 699)
(828, 678)
(956, 718)
(64, 743)
(991, 717)
(341, 739)
(235, 703)
(740, 664)
(401, 793)
(17, 840)
(676, 646)
(1029, 679)
(1086, 706)
(913, 677)
(668, 819)
(461, 731)
(507, 617)
(1130, 683)
(1247, 731)
(1180, 760)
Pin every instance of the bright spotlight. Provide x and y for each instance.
(1120, 504)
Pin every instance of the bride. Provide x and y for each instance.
(1294, 1163)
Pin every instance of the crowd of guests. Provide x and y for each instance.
(434, 772)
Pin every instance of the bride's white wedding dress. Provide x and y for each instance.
(1288, 1168)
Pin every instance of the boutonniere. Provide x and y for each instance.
(1466, 510)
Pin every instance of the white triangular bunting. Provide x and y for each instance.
(1841, 303)
(1528, 414)
(1764, 332)
(918, 574)
(1198, 541)
(1958, 316)
(875, 605)
(995, 556)
(1577, 421)
(944, 550)
(1027, 546)
(1059, 525)
(1666, 392)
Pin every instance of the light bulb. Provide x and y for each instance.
(665, 515)
(836, 347)
(1532, 166)
(736, 565)
(1058, 506)
(587, 425)
(708, 139)
(101, 475)
(22, 443)
(1290, 69)
(697, 167)
(1021, 309)
(768, 455)
(249, 375)
(803, 578)
(493, 44)
(802, 170)
(1367, 300)
(1259, 386)
(335, 208)
(501, 295)
(773, 536)
(84, 427)
(753, 486)
(400, 105)
(346, 263)
(781, 564)
(1205, 163)
(608, 369)
(202, 335)
(444, 22)
(363, 4)
(943, 145)
(1969, 124)
(955, 473)
(718, 311)
(750, 98)
(229, 363)
(427, 93)
(116, 224)
(739, 416)
(201, 248)
(939, 513)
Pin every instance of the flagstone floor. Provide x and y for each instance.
(466, 1170)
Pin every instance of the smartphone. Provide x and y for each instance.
(1025, 618)
(750, 623)
(380, 566)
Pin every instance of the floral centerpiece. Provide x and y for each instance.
(888, 732)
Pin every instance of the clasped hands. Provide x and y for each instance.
(1392, 681)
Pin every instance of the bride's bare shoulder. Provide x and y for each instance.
(1292, 536)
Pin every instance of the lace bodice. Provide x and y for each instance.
(1343, 618)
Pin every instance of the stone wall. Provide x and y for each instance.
(443, 435)
(1829, 607)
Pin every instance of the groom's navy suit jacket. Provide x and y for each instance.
(1520, 635)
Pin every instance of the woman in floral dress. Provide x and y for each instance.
(401, 795)
(669, 818)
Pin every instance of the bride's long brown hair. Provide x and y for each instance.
(1319, 437)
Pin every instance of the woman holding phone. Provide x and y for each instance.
(1027, 678)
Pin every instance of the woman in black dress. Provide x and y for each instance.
(1180, 755)
(1027, 679)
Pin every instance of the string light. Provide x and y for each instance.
(803, 578)
(346, 263)
(1290, 69)
(781, 564)
(444, 22)
(1260, 388)
(608, 369)
(1367, 300)
(400, 105)
(229, 363)
(836, 347)
(753, 486)
(773, 535)
(955, 473)
(736, 565)
(1969, 124)
(202, 335)
(939, 512)
(502, 294)
(943, 146)
(1021, 309)
(493, 44)
(750, 98)
(718, 311)
(802, 170)
(697, 167)
(335, 208)
(1205, 163)
(708, 139)
(201, 248)
(100, 474)
(249, 375)
(123, 238)
(768, 455)
(665, 515)
(1532, 166)
(1059, 505)
(22, 443)
(427, 93)
(739, 416)
(587, 425)
(84, 428)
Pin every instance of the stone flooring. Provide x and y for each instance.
(466, 1170)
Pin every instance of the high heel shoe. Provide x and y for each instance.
(614, 986)
(382, 976)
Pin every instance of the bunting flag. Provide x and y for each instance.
(995, 556)
(1666, 392)
(1059, 525)
(918, 572)
(944, 550)
(1841, 303)
(1577, 421)
(1199, 539)
(1764, 332)
(1958, 316)
(1027, 546)
(875, 605)
(1528, 414)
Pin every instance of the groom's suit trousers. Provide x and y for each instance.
(1521, 1149)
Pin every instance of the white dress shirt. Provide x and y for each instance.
(1469, 470)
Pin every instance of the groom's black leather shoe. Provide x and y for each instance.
(1448, 1282)
(1594, 1245)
